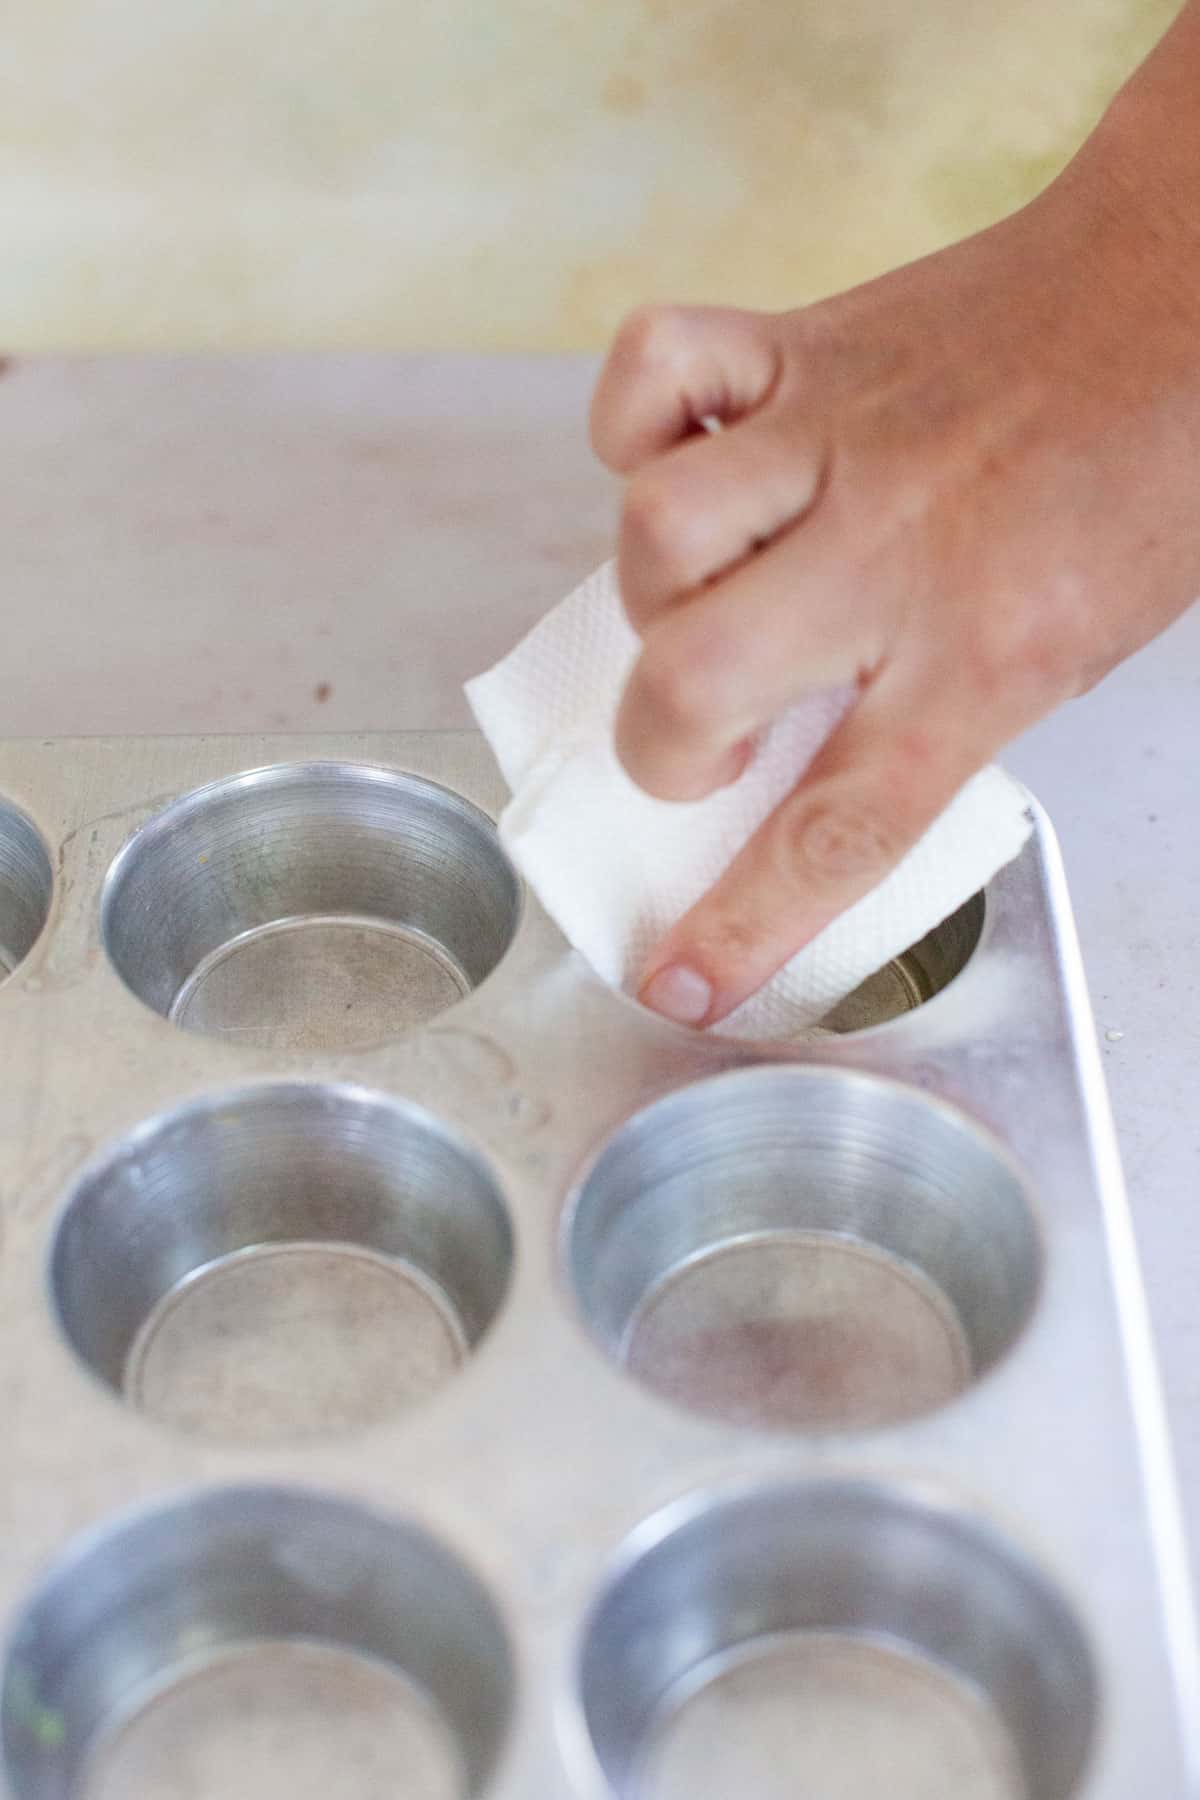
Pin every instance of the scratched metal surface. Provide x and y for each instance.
(543, 1468)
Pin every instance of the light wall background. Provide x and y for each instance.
(509, 173)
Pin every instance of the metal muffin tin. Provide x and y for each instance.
(426, 1375)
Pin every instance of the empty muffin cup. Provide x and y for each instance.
(803, 1248)
(310, 906)
(256, 1644)
(26, 884)
(283, 1262)
(834, 1638)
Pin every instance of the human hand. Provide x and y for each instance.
(969, 487)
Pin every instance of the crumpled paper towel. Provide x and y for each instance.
(615, 868)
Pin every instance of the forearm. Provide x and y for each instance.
(1170, 75)
(1148, 143)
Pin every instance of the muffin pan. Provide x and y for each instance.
(428, 1376)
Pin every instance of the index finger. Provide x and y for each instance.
(872, 792)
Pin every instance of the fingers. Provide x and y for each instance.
(797, 616)
(669, 367)
(703, 507)
(882, 779)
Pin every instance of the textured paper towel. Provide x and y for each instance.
(614, 868)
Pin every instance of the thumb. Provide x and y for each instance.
(671, 367)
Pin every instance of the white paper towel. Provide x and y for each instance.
(615, 868)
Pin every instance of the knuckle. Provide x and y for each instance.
(917, 750)
(709, 659)
(726, 943)
(652, 514)
(680, 692)
(601, 432)
(640, 598)
(1023, 651)
(831, 845)
(993, 651)
(661, 524)
(652, 336)
(1065, 641)
(650, 346)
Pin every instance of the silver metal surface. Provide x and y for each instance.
(807, 1595)
(824, 1364)
(285, 1260)
(25, 884)
(173, 1596)
(313, 906)
(809, 1247)
(915, 977)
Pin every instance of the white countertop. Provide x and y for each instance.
(296, 543)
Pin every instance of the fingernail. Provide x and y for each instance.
(678, 993)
